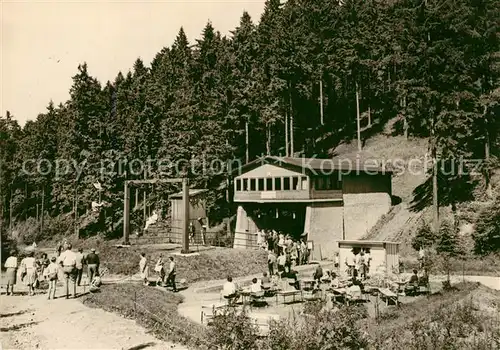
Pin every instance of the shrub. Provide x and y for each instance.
(335, 329)
(232, 330)
(487, 235)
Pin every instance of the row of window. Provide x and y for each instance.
(272, 184)
(292, 183)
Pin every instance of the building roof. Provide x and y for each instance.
(193, 192)
(366, 243)
(317, 165)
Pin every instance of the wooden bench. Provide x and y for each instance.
(286, 293)
(208, 312)
(387, 294)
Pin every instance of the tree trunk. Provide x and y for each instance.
(247, 154)
(43, 210)
(435, 204)
(405, 120)
(136, 198)
(369, 116)
(292, 150)
(489, 190)
(286, 134)
(268, 139)
(358, 124)
(321, 101)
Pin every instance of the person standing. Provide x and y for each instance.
(43, 263)
(79, 266)
(271, 260)
(92, 261)
(52, 272)
(144, 269)
(159, 268)
(68, 262)
(59, 248)
(171, 274)
(11, 266)
(28, 269)
(368, 259)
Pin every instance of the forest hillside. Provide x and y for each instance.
(403, 79)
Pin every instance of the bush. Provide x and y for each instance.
(232, 330)
(335, 329)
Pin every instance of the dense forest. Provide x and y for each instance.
(292, 85)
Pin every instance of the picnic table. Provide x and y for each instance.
(286, 293)
(308, 283)
(388, 295)
(339, 292)
(245, 296)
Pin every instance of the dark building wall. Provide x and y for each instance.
(365, 183)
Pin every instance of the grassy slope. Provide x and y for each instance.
(153, 309)
(400, 224)
(208, 265)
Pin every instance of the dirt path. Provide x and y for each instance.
(35, 323)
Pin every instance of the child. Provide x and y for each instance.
(96, 283)
(52, 271)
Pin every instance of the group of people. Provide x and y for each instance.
(165, 276)
(359, 263)
(283, 251)
(66, 265)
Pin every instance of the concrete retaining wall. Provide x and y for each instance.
(362, 211)
(324, 225)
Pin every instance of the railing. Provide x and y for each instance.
(249, 240)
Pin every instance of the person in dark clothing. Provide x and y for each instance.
(171, 274)
(92, 261)
(318, 274)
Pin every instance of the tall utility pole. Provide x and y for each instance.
(321, 101)
(357, 118)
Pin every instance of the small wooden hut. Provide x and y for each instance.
(384, 254)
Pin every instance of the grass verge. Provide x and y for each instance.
(153, 309)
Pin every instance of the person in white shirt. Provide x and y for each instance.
(68, 262)
(171, 274)
(11, 266)
(255, 287)
(281, 263)
(52, 271)
(229, 290)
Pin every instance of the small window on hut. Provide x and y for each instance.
(245, 184)
(269, 184)
(253, 184)
(261, 185)
(277, 183)
(238, 184)
(295, 183)
(286, 184)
